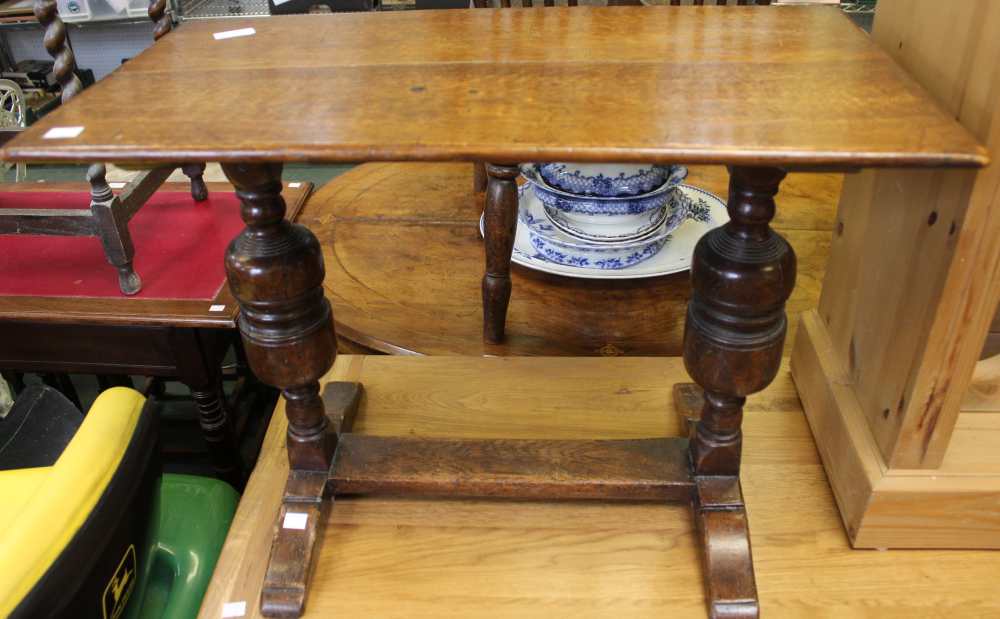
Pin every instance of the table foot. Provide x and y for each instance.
(196, 172)
(721, 517)
(302, 508)
(295, 535)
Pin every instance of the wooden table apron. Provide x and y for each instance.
(777, 90)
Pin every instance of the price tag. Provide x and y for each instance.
(232, 34)
(61, 133)
(295, 520)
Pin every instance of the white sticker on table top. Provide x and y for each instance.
(234, 609)
(293, 185)
(280, 2)
(217, 308)
(61, 133)
(117, 185)
(232, 34)
(295, 520)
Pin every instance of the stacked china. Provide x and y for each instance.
(603, 216)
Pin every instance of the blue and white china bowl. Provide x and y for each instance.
(605, 218)
(561, 248)
(604, 179)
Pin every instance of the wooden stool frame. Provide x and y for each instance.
(108, 215)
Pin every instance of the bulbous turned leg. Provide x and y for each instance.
(112, 227)
(196, 172)
(742, 274)
(275, 270)
(498, 233)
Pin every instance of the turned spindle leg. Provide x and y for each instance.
(741, 274)
(275, 270)
(499, 229)
(112, 227)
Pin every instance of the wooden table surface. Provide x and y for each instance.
(124, 311)
(788, 86)
(412, 559)
(403, 269)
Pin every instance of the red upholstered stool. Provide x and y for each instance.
(61, 312)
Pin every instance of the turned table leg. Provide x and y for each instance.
(275, 270)
(199, 361)
(112, 227)
(499, 229)
(741, 274)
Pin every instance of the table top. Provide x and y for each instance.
(404, 269)
(218, 312)
(787, 86)
(415, 558)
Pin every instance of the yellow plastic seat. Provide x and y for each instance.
(44, 509)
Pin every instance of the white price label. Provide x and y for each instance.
(232, 34)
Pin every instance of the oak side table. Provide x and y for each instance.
(777, 90)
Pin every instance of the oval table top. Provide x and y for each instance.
(404, 261)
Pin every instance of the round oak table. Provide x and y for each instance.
(404, 263)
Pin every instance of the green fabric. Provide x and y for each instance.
(189, 522)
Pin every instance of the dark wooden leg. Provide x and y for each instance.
(741, 274)
(196, 171)
(275, 271)
(500, 226)
(112, 227)
(198, 359)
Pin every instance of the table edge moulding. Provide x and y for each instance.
(742, 272)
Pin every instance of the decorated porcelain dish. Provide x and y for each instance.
(604, 179)
(598, 205)
(704, 212)
(642, 225)
(566, 249)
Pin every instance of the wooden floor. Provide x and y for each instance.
(395, 558)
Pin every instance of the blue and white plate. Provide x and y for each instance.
(704, 212)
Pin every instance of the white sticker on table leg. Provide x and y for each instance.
(60, 133)
(292, 185)
(234, 609)
(295, 520)
(117, 185)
